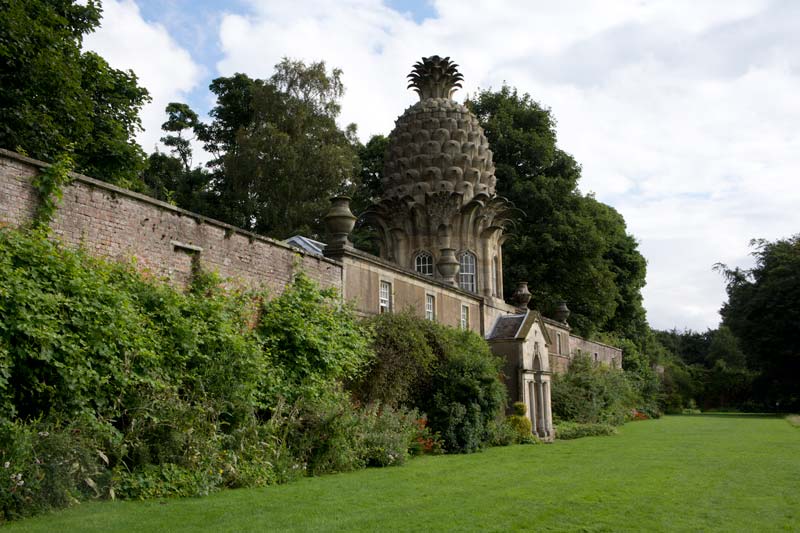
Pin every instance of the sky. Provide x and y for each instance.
(684, 114)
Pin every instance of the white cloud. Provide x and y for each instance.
(683, 113)
(165, 69)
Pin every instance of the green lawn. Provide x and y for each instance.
(685, 473)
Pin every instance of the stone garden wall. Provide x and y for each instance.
(162, 239)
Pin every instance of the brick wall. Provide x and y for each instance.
(122, 225)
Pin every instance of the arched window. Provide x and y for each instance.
(466, 273)
(423, 263)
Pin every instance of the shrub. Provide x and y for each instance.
(521, 425)
(425, 441)
(448, 374)
(575, 430)
(589, 393)
(51, 464)
(403, 360)
(171, 393)
(336, 436)
(389, 435)
(467, 394)
(501, 433)
(311, 340)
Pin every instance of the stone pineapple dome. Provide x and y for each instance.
(437, 144)
(439, 205)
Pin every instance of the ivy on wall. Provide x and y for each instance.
(49, 184)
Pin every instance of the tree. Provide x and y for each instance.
(170, 177)
(278, 154)
(56, 98)
(180, 118)
(370, 188)
(568, 246)
(763, 312)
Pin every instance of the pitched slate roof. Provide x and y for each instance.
(304, 243)
(507, 327)
(517, 326)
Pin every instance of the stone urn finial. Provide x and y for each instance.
(448, 265)
(562, 312)
(521, 295)
(339, 222)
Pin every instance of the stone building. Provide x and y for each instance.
(441, 219)
(440, 223)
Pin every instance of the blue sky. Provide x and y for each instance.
(683, 113)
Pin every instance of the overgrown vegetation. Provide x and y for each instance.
(113, 384)
(446, 373)
(49, 184)
(593, 399)
(591, 394)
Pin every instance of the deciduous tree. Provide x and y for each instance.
(763, 312)
(567, 245)
(54, 97)
(278, 152)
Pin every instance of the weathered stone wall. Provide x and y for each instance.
(597, 351)
(122, 225)
(572, 345)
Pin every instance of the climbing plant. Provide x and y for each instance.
(49, 184)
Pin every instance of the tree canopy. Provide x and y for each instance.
(277, 152)
(763, 312)
(567, 246)
(56, 98)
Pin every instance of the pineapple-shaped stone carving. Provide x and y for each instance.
(439, 183)
(437, 144)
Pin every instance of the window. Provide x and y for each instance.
(595, 357)
(558, 343)
(430, 307)
(423, 263)
(386, 297)
(466, 273)
(464, 316)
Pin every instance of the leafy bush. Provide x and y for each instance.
(51, 464)
(171, 393)
(311, 340)
(520, 423)
(589, 393)
(425, 441)
(404, 359)
(468, 394)
(575, 430)
(332, 435)
(502, 434)
(449, 374)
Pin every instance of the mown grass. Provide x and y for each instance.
(682, 473)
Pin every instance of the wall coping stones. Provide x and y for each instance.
(200, 219)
